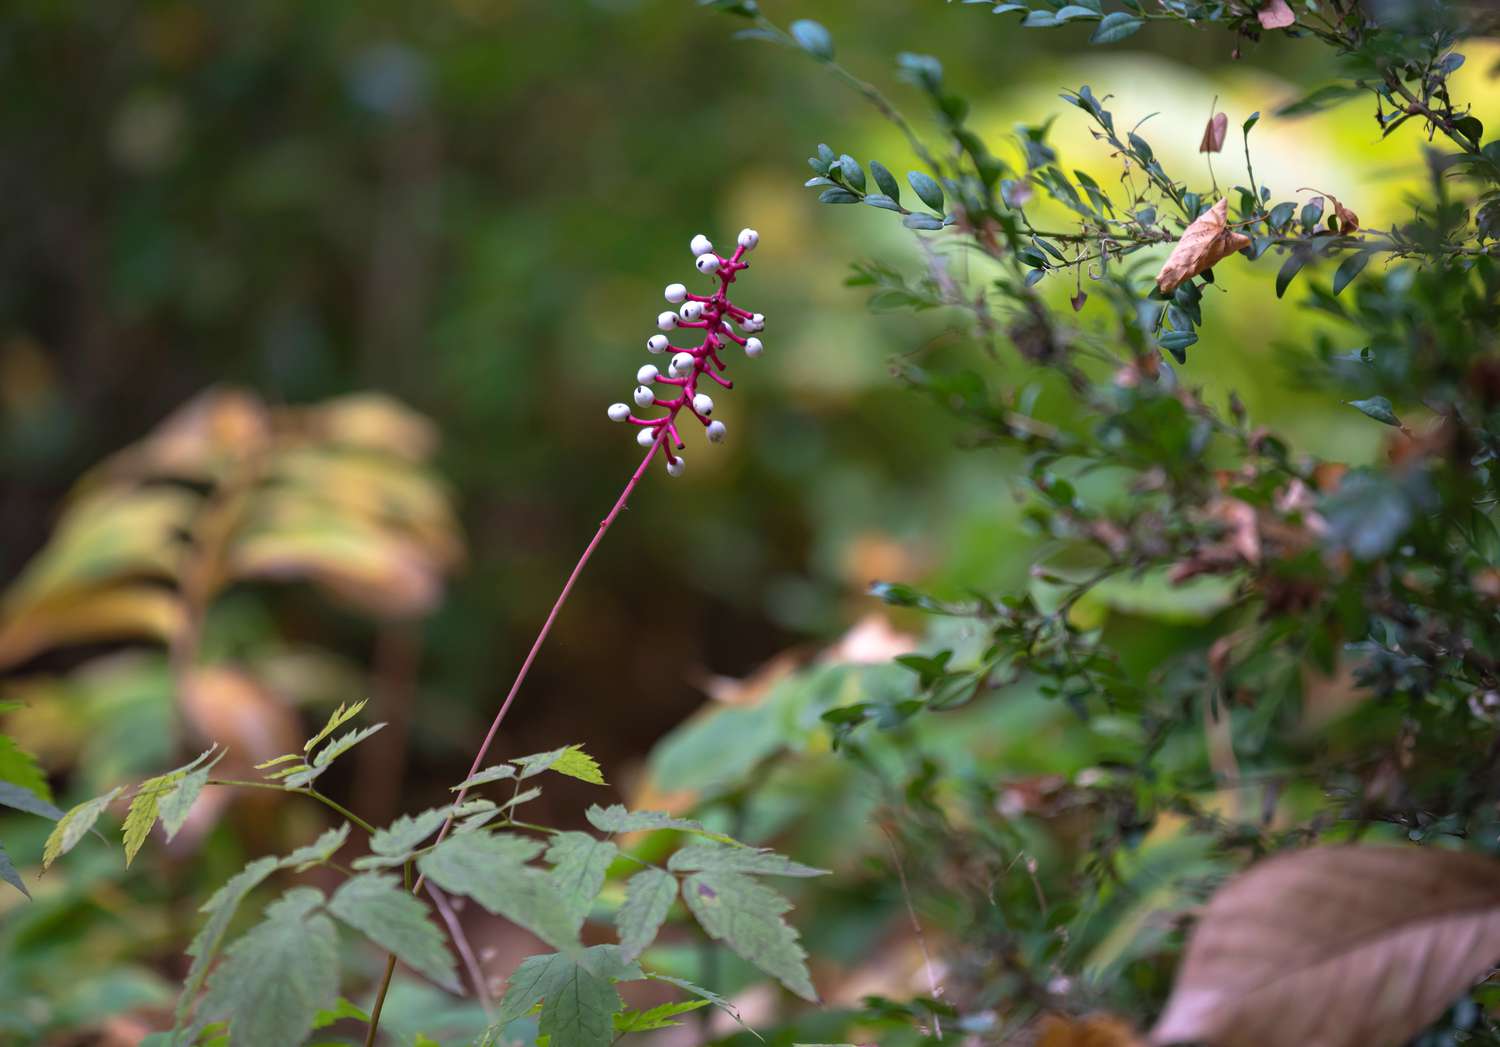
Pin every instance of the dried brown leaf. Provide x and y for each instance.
(1275, 14)
(1337, 946)
(1203, 245)
(1098, 1030)
(1213, 134)
(1348, 221)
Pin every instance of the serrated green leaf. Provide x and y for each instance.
(9, 874)
(575, 763)
(579, 864)
(490, 774)
(221, 907)
(276, 978)
(648, 898)
(142, 813)
(491, 869)
(20, 798)
(376, 905)
(711, 857)
(74, 824)
(275, 760)
(576, 993)
(927, 189)
(706, 994)
(306, 775)
(342, 715)
(617, 819)
(178, 801)
(317, 852)
(19, 767)
(746, 916)
(407, 832)
(658, 1017)
(1115, 26)
(1378, 408)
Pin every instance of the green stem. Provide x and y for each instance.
(332, 805)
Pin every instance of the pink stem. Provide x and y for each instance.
(465, 951)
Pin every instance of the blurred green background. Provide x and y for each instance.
(473, 205)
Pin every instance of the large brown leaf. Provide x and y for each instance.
(1338, 947)
(1203, 245)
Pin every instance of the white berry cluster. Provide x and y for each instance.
(717, 317)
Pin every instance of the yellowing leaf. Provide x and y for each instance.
(374, 422)
(1337, 946)
(76, 616)
(1204, 243)
(73, 825)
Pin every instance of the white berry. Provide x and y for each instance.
(703, 403)
(618, 412)
(754, 347)
(754, 323)
(701, 245)
(748, 239)
(691, 311)
(715, 432)
(643, 397)
(675, 293)
(666, 321)
(647, 374)
(674, 466)
(657, 343)
(682, 363)
(707, 264)
(646, 437)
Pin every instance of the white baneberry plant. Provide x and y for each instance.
(717, 317)
(280, 981)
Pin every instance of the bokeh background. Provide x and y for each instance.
(472, 206)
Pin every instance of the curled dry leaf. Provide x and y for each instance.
(1348, 221)
(1336, 946)
(1213, 134)
(1203, 245)
(1275, 14)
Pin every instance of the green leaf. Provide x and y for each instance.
(9, 874)
(837, 196)
(852, 172)
(1116, 26)
(746, 916)
(407, 832)
(20, 798)
(276, 978)
(376, 905)
(648, 898)
(1250, 121)
(307, 774)
(338, 1012)
(1378, 408)
(579, 864)
(317, 852)
(1349, 268)
(922, 221)
(927, 189)
(885, 180)
(812, 38)
(616, 819)
(491, 869)
(178, 802)
(705, 994)
(575, 763)
(1289, 270)
(146, 802)
(1072, 11)
(221, 907)
(658, 1017)
(342, 715)
(19, 767)
(489, 774)
(576, 993)
(711, 857)
(570, 760)
(72, 826)
(882, 201)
